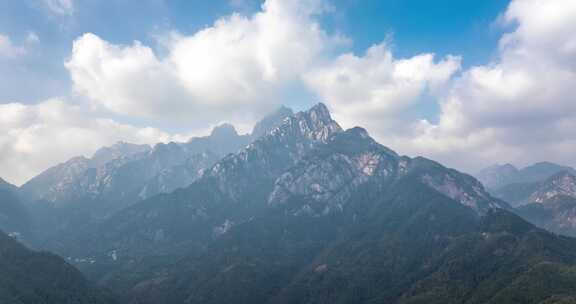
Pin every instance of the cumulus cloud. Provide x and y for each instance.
(378, 90)
(35, 137)
(518, 107)
(521, 106)
(234, 68)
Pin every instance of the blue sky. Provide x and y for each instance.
(461, 82)
(444, 27)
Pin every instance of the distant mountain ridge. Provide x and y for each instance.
(551, 204)
(84, 190)
(498, 176)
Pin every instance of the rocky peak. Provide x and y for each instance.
(541, 171)
(119, 149)
(497, 175)
(329, 174)
(560, 184)
(315, 124)
(271, 121)
(51, 183)
(224, 130)
(273, 153)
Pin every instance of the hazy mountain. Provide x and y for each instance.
(118, 150)
(498, 176)
(14, 217)
(270, 122)
(82, 190)
(531, 192)
(353, 222)
(231, 191)
(122, 174)
(28, 277)
(551, 204)
(312, 214)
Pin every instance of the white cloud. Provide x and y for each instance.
(237, 67)
(35, 137)
(60, 7)
(8, 49)
(124, 79)
(518, 108)
(377, 90)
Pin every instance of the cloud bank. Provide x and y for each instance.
(233, 70)
(521, 106)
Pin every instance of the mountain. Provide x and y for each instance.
(124, 173)
(519, 194)
(270, 122)
(499, 176)
(231, 191)
(560, 184)
(354, 222)
(552, 204)
(118, 150)
(410, 246)
(312, 214)
(84, 190)
(30, 277)
(14, 217)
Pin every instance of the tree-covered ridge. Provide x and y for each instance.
(28, 277)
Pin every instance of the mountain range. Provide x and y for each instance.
(543, 193)
(497, 177)
(300, 211)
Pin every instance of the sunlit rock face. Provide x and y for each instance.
(561, 184)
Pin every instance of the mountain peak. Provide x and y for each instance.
(562, 183)
(117, 150)
(316, 123)
(361, 132)
(320, 110)
(355, 140)
(271, 121)
(224, 130)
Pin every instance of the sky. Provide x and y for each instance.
(467, 83)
